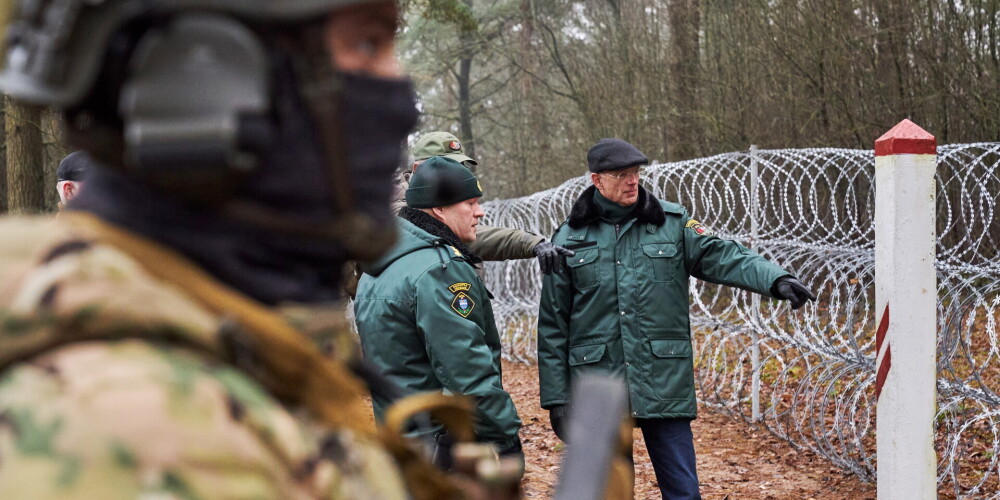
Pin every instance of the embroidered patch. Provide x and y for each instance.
(455, 146)
(460, 287)
(463, 304)
(698, 228)
(453, 249)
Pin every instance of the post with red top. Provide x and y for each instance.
(906, 309)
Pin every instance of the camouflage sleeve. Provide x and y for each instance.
(399, 191)
(500, 243)
(128, 419)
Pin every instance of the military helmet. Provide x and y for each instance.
(54, 49)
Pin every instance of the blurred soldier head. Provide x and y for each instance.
(440, 144)
(252, 135)
(450, 193)
(615, 168)
(70, 175)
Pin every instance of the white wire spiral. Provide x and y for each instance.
(818, 363)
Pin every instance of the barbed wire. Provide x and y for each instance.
(817, 365)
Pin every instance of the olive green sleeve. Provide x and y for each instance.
(457, 349)
(726, 262)
(553, 336)
(500, 243)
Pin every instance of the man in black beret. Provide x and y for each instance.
(623, 307)
(72, 171)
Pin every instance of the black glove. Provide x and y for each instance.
(791, 289)
(558, 419)
(549, 256)
(512, 450)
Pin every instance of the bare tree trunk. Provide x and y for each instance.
(464, 89)
(685, 21)
(3, 158)
(25, 166)
(54, 150)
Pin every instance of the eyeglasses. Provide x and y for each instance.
(637, 173)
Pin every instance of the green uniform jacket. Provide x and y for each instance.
(425, 320)
(622, 304)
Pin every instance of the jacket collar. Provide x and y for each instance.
(585, 211)
(437, 228)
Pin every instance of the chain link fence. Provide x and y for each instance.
(811, 211)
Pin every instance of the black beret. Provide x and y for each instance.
(614, 154)
(441, 181)
(74, 167)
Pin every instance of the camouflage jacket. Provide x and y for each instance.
(126, 372)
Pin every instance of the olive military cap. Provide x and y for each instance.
(440, 144)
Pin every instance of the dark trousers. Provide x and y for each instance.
(671, 449)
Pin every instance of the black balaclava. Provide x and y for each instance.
(293, 178)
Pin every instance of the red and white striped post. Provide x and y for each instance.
(906, 305)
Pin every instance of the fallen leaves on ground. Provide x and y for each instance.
(735, 460)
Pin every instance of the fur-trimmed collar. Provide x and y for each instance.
(585, 211)
(437, 228)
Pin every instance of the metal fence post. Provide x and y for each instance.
(754, 298)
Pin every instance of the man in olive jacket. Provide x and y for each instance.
(621, 307)
(492, 243)
(424, 315)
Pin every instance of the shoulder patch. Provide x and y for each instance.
(699, 228)
(461, 286)
(453, 249)
(463, 304)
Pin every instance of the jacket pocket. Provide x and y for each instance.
(663, 258)
(672, 375)
(584, 268)
(585, 354)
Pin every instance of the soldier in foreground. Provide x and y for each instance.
(142, 350)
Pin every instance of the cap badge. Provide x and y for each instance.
(455, 146)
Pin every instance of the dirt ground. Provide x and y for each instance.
(735, 460)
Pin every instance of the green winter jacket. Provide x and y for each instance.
(622, 304)
(426, 322)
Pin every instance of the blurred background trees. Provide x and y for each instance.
(529, 85)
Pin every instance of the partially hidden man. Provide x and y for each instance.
(243, 151)
(492, 243)
(622, 306)
(424, 315)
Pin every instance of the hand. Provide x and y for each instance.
(791, 289)
(549, 256)
(558, 420)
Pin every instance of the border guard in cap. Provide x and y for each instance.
(623, 306)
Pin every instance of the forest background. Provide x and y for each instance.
(529, 85)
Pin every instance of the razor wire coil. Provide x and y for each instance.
(817, 365)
